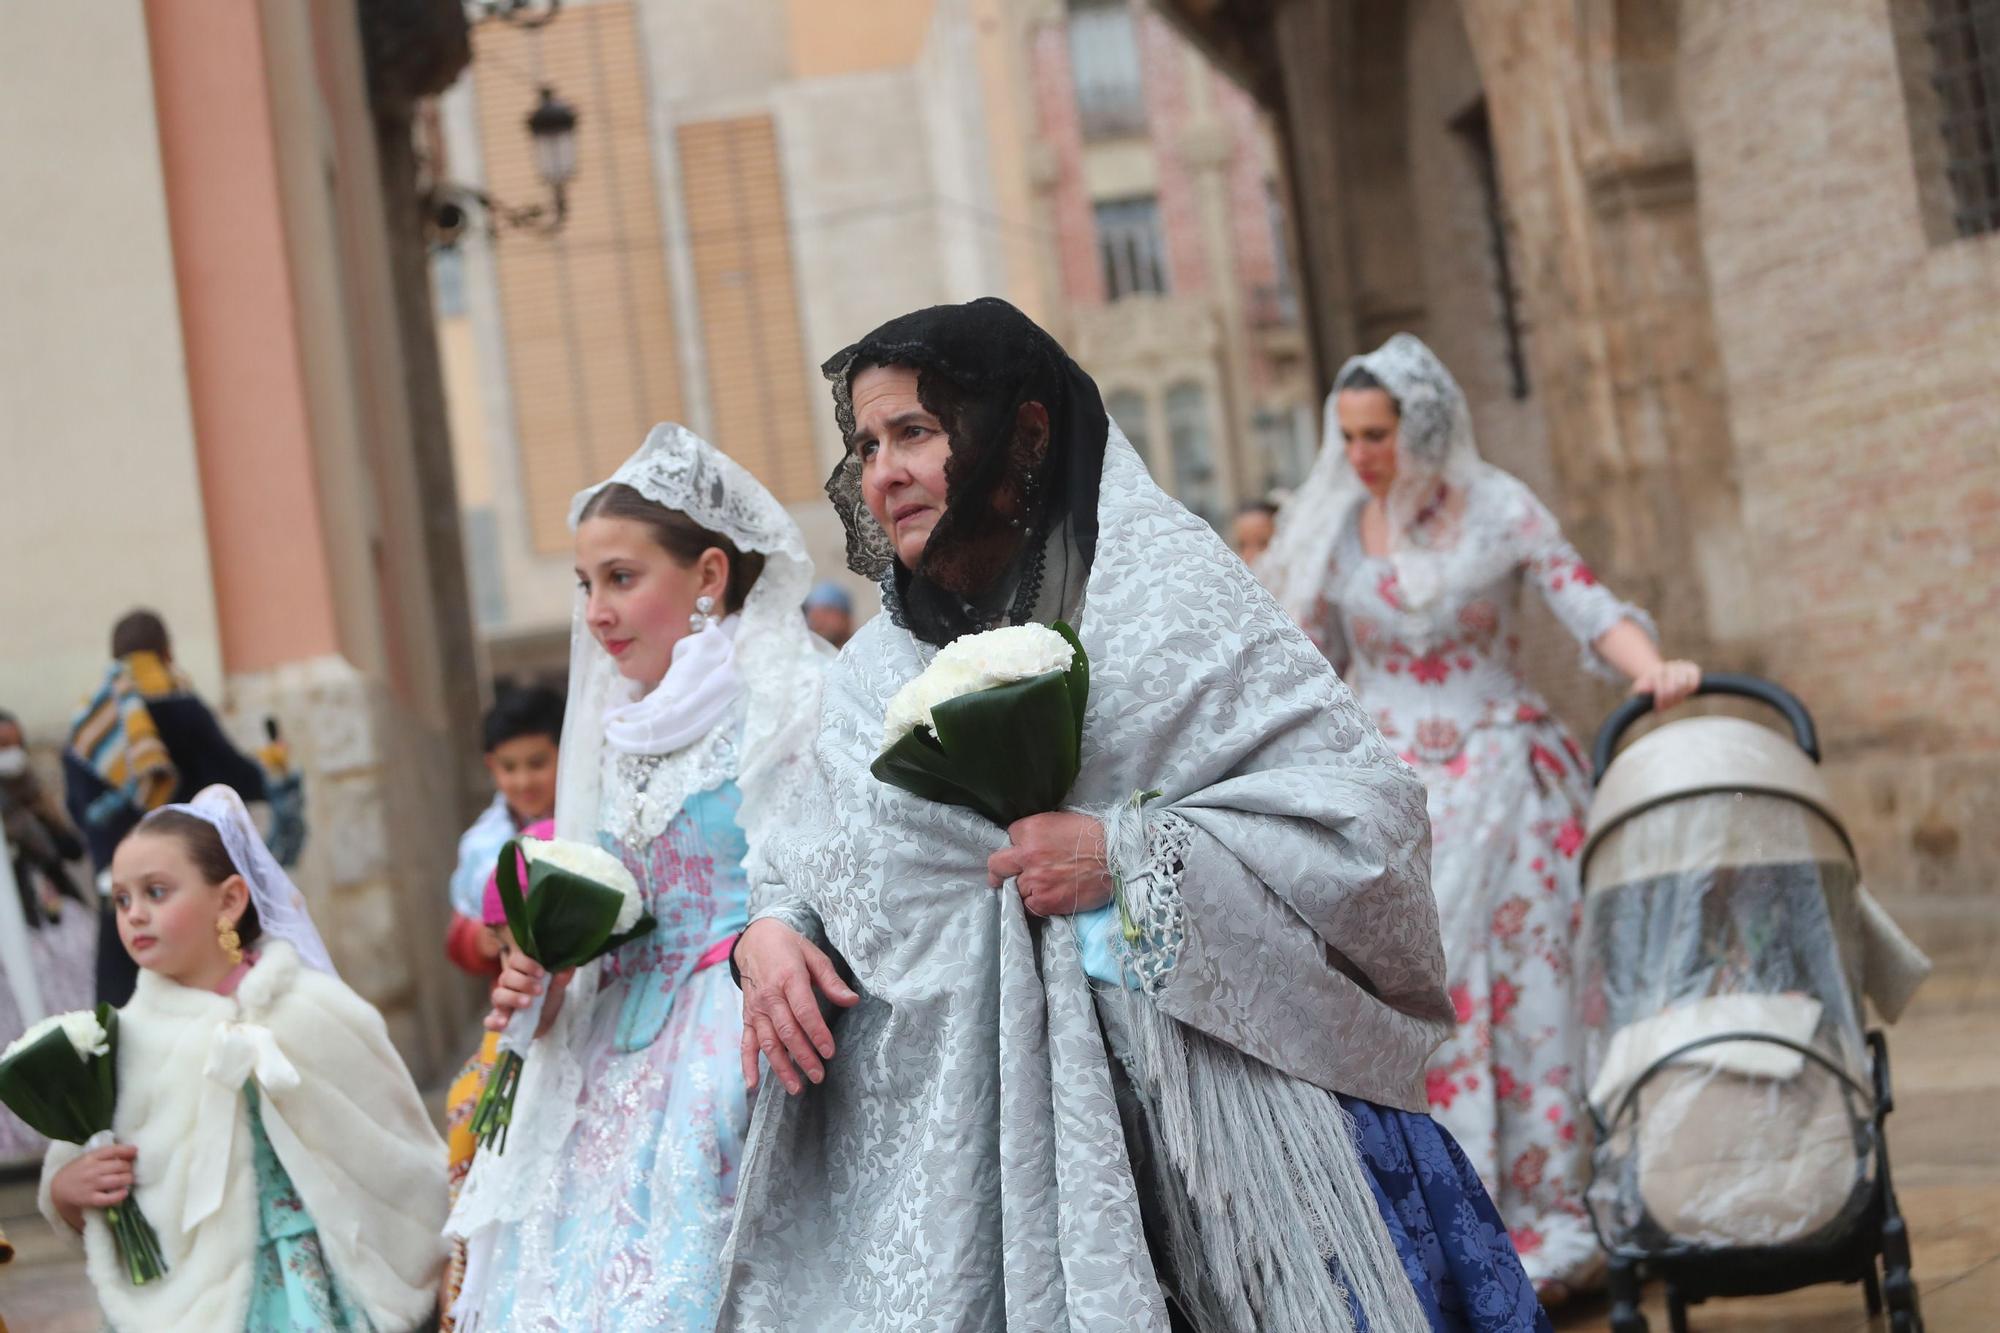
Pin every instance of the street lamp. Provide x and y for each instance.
(552, 126)
(552, 129)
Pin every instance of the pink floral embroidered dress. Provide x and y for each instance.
(1426, 638)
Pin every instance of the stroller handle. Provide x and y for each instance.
(1766, 692)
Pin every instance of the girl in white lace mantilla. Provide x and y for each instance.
(1403, 557)
(265, 1125)
(694, 689)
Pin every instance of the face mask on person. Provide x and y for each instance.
(13, 762)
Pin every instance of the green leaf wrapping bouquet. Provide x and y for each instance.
(994, 723)
(580, 903)
(61, 1078)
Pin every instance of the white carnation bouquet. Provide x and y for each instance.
(579, 904)
(61, 1077)
(994, 723)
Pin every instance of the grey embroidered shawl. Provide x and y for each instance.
(963, 1165)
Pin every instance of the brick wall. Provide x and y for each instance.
(1765, 372)
(1863, 369)
(1164, 75)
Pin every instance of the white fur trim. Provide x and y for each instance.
(353, 1136)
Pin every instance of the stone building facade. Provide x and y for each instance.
(756, 186)
(1722, 279)
(1159, 185)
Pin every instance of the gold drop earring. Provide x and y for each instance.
(231, 942)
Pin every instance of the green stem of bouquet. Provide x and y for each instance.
(138, 1244)
(495, 1112)
(1125, 918)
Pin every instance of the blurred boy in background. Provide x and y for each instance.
(522, 733)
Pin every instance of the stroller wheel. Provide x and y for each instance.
(1901, 1298)
(1623, 1281)
(1899, 1293)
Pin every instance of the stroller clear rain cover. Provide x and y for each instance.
(1704, 916)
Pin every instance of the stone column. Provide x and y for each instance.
(1207, 147)
(1310, 37)
(328, 618)
(1599, 183)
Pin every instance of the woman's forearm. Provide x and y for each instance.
(1627, 646)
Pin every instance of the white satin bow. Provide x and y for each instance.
(237, 1053)
(240, 1049)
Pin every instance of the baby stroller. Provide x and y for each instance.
(1725, 946)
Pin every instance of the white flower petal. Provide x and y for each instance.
(973, 663)
(85, 1034)
(590, 862)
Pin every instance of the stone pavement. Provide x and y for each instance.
(1944, 1137)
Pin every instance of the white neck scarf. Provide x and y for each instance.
(700, 687)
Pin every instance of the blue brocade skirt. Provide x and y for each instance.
(1450, 1236)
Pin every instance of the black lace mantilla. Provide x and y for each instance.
(976, 365)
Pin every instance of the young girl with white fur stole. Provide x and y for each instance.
(264, 1125)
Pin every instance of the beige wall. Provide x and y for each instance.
(900, 152)
(829, 37)
(102, 499)
(473, 461)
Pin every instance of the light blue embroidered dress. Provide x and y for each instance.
(627, 1231)
(291, 1288)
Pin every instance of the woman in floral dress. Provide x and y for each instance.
(1403, 556)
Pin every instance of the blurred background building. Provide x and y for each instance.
(1722, 280)
(1159, 183)
(759, 184)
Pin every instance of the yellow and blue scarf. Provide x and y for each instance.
(116, 738)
